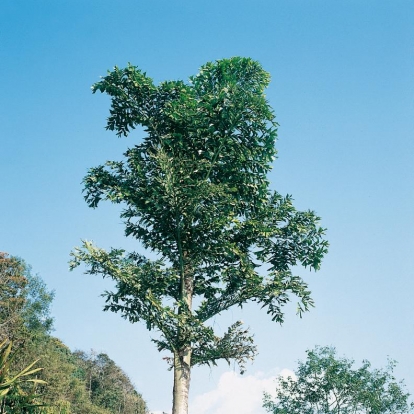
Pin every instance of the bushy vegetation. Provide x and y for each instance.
(69, 382)
(328, 384)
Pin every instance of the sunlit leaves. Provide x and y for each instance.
(235, 345)
(327, 384)
(195, 192)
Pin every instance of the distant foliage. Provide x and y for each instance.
(327, 384)
(70, 382)
(12, 295)
(107, 385)
(24, 301)
(13, 397)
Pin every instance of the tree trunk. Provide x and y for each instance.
(182, 371)
(182, 357)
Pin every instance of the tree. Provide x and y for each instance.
(195, 192)
(24, 301)
(36, 309)
(327, 384)
(12, 295)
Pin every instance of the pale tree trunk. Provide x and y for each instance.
(182, 371)
(182, 357)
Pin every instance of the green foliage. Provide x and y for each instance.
(326, 384)
(195, 192)
(67, 388)
(36, 309)
(107, 385)
(60, 387)
(13, 397)
(24, 301)
(12, 295)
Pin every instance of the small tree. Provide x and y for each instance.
(13, 399)
(326, 384)
(195, 192)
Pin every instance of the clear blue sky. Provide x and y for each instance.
(343, 91)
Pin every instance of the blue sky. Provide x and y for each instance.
(343, 91)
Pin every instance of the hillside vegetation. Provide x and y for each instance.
(69, 382)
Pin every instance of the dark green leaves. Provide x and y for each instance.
(195, 192)
(236, 344)
(133, 98)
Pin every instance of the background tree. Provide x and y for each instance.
(195, 192)
(12, 295)
(326, 384)
(24, 302)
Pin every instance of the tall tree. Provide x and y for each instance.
(327, 384)
(195, 192)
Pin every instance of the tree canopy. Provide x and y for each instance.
(328, 384)
(195, 192)
(24, 301)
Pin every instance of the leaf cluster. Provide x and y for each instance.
(13, 397)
